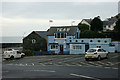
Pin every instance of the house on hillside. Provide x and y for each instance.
(66, 40)
(87, 22)
(109, 25)
(35, 41)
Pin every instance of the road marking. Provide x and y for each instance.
(114, 57)
(5, 71)
(72, 74)
(40, 70)
(114, 68)
(106, 67)
(33, 64)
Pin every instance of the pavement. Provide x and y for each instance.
(61, 66)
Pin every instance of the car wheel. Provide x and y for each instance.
(107, 56)
(12, 57)
(86, 59)
(99, 58)
(6, 59)
(22, 56)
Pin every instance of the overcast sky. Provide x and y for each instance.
(20, 18)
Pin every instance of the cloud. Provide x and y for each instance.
(18, 26)
(60, 0)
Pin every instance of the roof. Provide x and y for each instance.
(108, 22)
(88, 20)
(71, 30)
(43, 34)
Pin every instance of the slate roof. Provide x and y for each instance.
(53, 30)
(108, 22)
(43, 34)
(88, 20)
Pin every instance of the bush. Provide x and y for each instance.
(28, 53)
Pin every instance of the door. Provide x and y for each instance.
(61, 49)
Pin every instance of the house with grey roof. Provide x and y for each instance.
(35, 41)
(87, 22)
(109, 25)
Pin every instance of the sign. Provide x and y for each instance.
(63, 29)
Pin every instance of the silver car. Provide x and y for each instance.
(96, 53)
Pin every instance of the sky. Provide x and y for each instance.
(19, 18)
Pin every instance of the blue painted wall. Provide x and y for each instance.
(104, 43)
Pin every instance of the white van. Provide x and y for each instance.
(11, 54)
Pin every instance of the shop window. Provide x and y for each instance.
(53, 46)
(77, 47)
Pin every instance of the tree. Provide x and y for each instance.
(117, 27)
(83, 27)
(91, 34)
(96, 24)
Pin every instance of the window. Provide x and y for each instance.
(70, 40)
(98, 46)
(33, 41)
(105, 41)
(60, 35)
(53, 46)
(77, 47)
(103, 50)
(91, 41)
(77, 35)
(98, 40)
(82, 40)
(99, 50)
(76, 40)
(91, 50)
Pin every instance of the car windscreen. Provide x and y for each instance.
(91, 50)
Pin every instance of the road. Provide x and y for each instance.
(62, 67)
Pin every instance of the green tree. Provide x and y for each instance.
(96, 24)
(91, 34)
(83, 27)
(117, 27)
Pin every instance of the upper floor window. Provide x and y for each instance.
(60, 35)
(105, 41)
(70, 40)
(98, 40)
(91, 40)
(98, 46)
(82, 40)
(76, 40)
(33, 41)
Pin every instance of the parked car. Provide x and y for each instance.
(11, 54)
(96, 53)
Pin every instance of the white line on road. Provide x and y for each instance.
(114, 68)
(72, 74)
(41, 70)
(114, 57)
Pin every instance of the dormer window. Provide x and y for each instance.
(60, 35)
